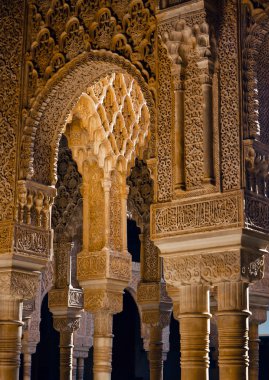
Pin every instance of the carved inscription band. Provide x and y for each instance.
(201, 214)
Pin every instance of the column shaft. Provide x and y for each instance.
(80, 368)
(194, 340)
(194, 332)
(74, 370)
(155, 354)
(232, 320)
(10, 337)
(254, 345)
(102, 346)
(66, 355)
(27, 364)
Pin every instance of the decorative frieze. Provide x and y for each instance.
(203, 214)
(30, 240)
(68, 297)
(213, 268)
(104, 264)
(96, 300)
(20, 285)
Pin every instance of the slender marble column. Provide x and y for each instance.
(66, 327)
(155, 354)
(102, 345)
(10, 337)
(66, 355)
(80, 368)
(254, 345)
(194, 316)
(27, 365)
(74, 370)
(232, 318)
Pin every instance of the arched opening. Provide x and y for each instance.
(105, 117)
(45, 362)
(133, 240)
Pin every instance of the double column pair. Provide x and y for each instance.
(189, 279)
(192, 309)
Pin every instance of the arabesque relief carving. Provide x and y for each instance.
(229, 113)
(84, 71)
(11, 46)
(216, 212)
(212, 268)
(60, 31)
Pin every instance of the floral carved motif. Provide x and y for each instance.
(199, 215)
(104, 264)
(165, 125)
(59, 31)
(6, 237)
(66, 324)
(213, 268)
(97, 300)
(116, 212)
(229, 100)
(11, 45)
(19, 284)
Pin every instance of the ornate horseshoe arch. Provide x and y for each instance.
(49, 114)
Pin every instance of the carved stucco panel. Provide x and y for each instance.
(11, 44)
(203, 214)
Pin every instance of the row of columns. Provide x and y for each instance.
(194, 331)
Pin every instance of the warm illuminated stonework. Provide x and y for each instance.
(153, 109)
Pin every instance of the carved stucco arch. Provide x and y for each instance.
(49, 114)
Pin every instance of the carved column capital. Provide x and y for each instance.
(66, 324)
(155, 304)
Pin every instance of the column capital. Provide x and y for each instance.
(66, 324)
(155, 304)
